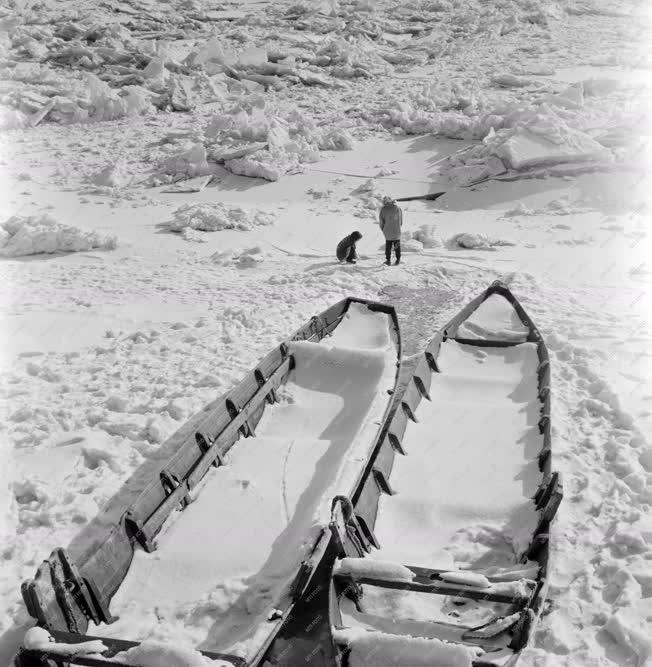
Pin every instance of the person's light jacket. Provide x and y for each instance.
(391, 221)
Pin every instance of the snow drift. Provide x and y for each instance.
(216, 217)
(31, 235)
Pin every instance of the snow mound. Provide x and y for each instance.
(31, 235)
(536, 136)
(411, 245)
(40, 639)
(259, 140)
(385, 650)
(466, 578)
(268, 165)
(476, 242)
(189, 163)
(370, 198)
(476, 170)
(367, 567)
(154, 653)
(250, 258)
(336, 140)
(216, 217)
(192, 235)
(185, 93)
(527, 147)
(426, 236)
(211, 56)
(112, 176)
(628, 629)
(108, 104)
(560, 206)
(12, 119)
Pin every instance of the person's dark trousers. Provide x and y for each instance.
(351, 255)
(397, 250)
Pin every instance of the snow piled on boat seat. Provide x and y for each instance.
(384, 650)
(366, 567)
(494, 319)
(466, 578)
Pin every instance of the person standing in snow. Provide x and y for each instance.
(391, 221)
(346, 248)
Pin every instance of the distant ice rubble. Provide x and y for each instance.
(74, 69)
(99, 73)
(261, 140)
(254, 138)
(556, 132)
(420, 239)
(75, 72)
(112, 175)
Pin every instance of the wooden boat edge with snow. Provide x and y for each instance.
(65, 596)
(354, 518)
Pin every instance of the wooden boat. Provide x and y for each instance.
(194, 504)
(442, 549)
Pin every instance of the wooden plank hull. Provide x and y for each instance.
(355, 519)
(64, 596)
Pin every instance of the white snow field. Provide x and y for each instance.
(119, 331)
(270, 502)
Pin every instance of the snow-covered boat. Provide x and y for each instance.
(216, 553)
(443, 547)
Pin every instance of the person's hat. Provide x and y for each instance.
(387, 200)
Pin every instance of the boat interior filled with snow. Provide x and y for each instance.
(232, 532)
(443, 547)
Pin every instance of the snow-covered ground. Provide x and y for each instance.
(143, 305)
